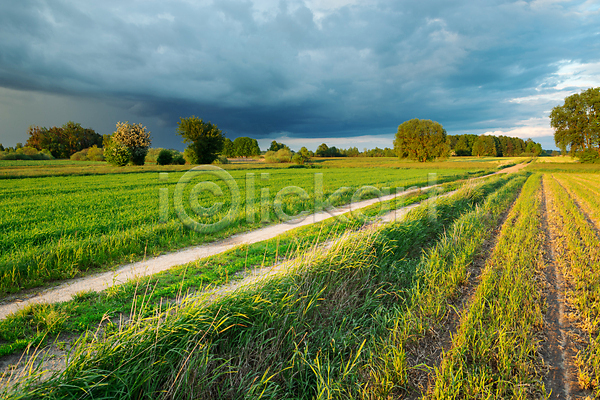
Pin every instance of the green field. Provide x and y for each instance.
(452, 302)
(59, 227)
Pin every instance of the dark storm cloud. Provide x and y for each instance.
(309, 69)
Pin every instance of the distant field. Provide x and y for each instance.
(558, 159)
(22, 168)
(60, 226)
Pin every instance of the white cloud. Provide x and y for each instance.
(529, 128)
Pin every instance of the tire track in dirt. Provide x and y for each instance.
(562, 339)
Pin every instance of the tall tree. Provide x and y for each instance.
(246, 147)
(577, 122)
(204, 139)
(484, 146)
(228, 148)
(276, 146)
(421, 140)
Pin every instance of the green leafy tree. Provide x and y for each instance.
(246, 147)
(421, 140)
(275, 146)
(484, 146)
(204, 139)
(190, 156)
(228, 148)
(165, 157)
(577, 122)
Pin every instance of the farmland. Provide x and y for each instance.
(68, 225)
(455, 300)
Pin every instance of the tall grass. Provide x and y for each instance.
(494, 353)
(314, 332)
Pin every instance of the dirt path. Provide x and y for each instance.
(559, 348)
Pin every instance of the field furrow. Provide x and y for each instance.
(494, 354)
(578, 255)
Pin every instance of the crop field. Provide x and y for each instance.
(490, 292)
(59, 227)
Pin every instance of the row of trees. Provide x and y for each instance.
(577, 125)
(425, 140)
(495, 146)
(64, 141)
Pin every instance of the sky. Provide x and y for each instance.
(302, 72)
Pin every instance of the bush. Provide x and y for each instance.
(190, 156)
(164, 157)
(93, 153)
(26, 153)
(589, 156)
(281, 156)
(117, 154)
(178, 158)
(221, 160)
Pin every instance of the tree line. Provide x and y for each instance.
(422, 140)
(494, 146)
(426, 140)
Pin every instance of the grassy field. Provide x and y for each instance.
(323, 330)
(62, 226)
(450, 303)
(15, 169)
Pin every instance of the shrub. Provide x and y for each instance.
(26, 153)
(165, 157)
(280, 156)
(178, 158)
(589, 156)
(117, 154)
(95, 153)
(221, 160)
(190, 156)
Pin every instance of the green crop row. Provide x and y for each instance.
(306, 334)
(494, 352)
(579, 258)
(441, 273)
(61, 227)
